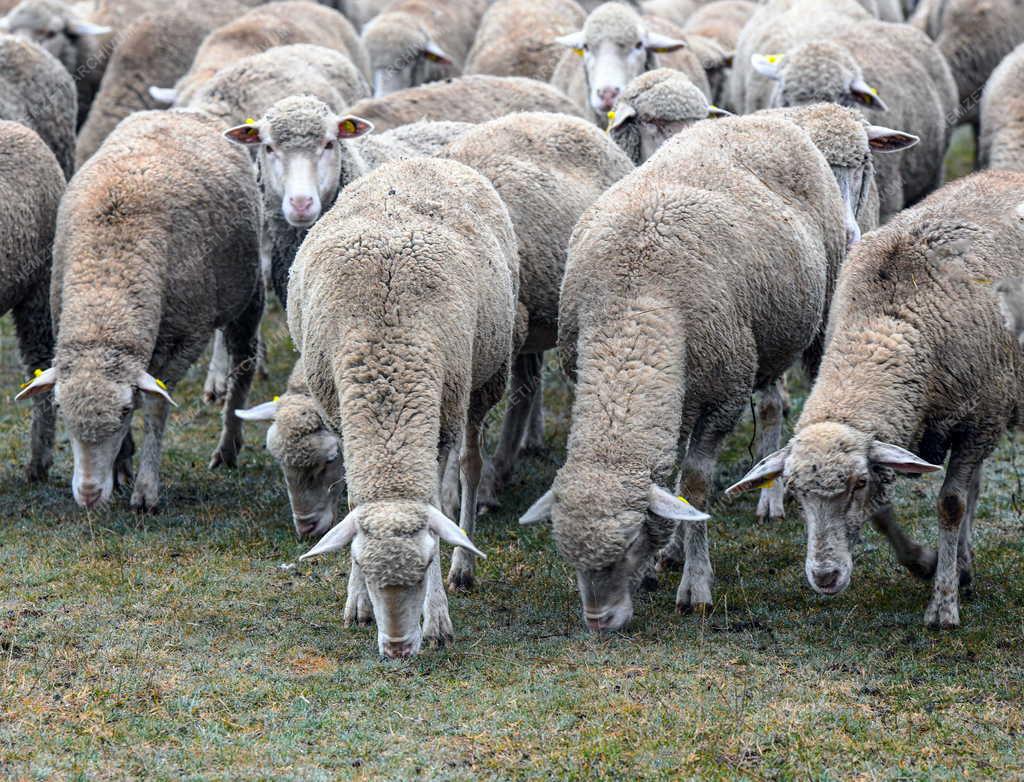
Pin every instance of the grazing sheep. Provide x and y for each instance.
(262, 28)
(307, 154)
(38, 92)
(879, 67)
(517, 38)
(654, 107)
(974, 36)
(156, 248)
(777, 27)
(476, 98)
(402, 302)
(721, 21)
(31, 185)
(157, 48)
(735, 233)
(615, 46)
(413, 42)
(918, 362)
(548, 169)
(309, 454)
(1001, 144)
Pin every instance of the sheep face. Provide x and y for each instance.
(819, 72)
(616, 47)
(402, 55)
(314, 472)
(53, 25)
(836, 473)
(854, 185)
(302, 155)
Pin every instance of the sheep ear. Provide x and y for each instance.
(79, 28)
(338, 537)
(620, 115)
(43, 382)
(351, 126)
(572, 41)
(768, 65)
(148, 384)
(662, 44)
(899, 459)
(450, 532)
(435, 53)
(888, 140)
(667, 506)
(866, 95)
(163, 94)
(247, 135)
(264, 412)
(540, 510)
(762, 474)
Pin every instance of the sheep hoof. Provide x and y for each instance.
(437, 629)
(144, 499)
(943, 613)
(461, 576)
(358, 611)
(698, 609)
(37, 472)
(226, 455)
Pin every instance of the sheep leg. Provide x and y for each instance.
(216, 383)
(534, 438)
(437, 624)
(919, 560)
(35, 344)
(956, 504)
(965, 548)
(522, 391)
(449, 481)
(146, 491)
(770, 505)
(358, 608)
(461, 573)
(243, 343)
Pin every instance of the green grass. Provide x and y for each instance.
(174, 646)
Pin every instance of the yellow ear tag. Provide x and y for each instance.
(874, 90)
(250, 121)
(773, 58)
(766, 484)
(37, 373)
(276, 398)
(160, 383)
(579, 52)
(349, 126)
(683, 499)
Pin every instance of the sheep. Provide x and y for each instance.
(402, 303)
(919, 365)
(517, 38)
(413, 42)
(695, 280)
(360, 12)
(31, 184)
(476, 98)
(548, 169)
(974, 36)
(82, 38)
(775, 28)
(157, 48)
(675, 11)
(38, 92)
(156, 248)
(614, 46)
(721, 21)
(879, 67)
(262, 28)
(654, 107)
(1001, 142)
(307, 153)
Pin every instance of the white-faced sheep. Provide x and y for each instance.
(1001, 144)
(517, 38)
(877, 67)
(38, 92)
(615, 46)
(156, 248)
(548, 169)
(402, 302)
(31, 185)
(918, 366)
(262, 28)
(476, 98)
(666, 355)
(413, 42)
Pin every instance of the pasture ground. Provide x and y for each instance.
(174, 646)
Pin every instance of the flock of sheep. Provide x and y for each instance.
(685, 198)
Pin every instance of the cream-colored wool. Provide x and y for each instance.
(29, 73)
(477, 98)
(31, 185)
(722, 21)
(267, 26)
(1002, 115)
(517, 38)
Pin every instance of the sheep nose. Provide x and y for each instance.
(398, 650)
(599, 623)
(827, 579)
(89, 495)
(608, 96)
(301, 204)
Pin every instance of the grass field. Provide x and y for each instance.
(175, 646)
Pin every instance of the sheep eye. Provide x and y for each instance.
(126, 410)
(639, 45)
(328, 146)
(270, 150)
(586, 47)
(860, 484)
